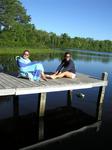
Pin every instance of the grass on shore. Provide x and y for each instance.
(32, 50)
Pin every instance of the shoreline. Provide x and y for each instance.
(19, 50)
(43, 51)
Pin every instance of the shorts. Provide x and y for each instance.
(73, 76)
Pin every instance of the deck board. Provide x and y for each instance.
(10, 85)
(18, 81)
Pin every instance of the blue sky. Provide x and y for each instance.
(83, 18)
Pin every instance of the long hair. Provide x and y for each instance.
(64, 60)
(26, 51)
(67, 53)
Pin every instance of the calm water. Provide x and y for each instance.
(85, 63)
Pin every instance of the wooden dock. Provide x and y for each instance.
(10, 85)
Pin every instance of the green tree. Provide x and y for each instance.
(65, 40)
(16, 30)
(11, 12)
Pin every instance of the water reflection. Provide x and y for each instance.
(8, 64)
(29, 129)
(88, 58)
(26, 128)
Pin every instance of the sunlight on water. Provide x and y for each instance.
(85, 63)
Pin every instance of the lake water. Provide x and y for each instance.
(85, 63)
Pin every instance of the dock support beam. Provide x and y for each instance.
(16, 106)
(15, 113)
(41, 113)
(100, 100)
(42, 104)
(69, 98)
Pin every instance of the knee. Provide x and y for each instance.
(66, 72)
(40, 67)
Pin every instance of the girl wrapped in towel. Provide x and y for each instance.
(32, 70)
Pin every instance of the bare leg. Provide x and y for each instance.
(52, 76)
(64, 74)
(43, 76)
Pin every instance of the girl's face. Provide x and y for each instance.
(26, 55)
(67, 57)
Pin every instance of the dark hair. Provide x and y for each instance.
(67, 54)
(26, 51)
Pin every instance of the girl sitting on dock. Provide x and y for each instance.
(32, 70)
(66, 68)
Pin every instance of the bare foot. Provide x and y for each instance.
(44, 77)
(53, 76)
(48, 76)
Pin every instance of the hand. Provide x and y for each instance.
(56, 72)
(43, 77)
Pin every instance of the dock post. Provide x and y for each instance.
(69, 98)
(16, 106)
(41, 128)
(100, 100)
(41, 113)
(41, 104)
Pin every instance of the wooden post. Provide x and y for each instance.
(41, 104)
(15, 113)
(100, 100)
(69, 98)
(41, 129)
(41, 113)
(16, 106)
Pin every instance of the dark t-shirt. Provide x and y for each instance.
(66, 66)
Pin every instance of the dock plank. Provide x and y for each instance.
(18, 81)
(8, 81)
(18, 86)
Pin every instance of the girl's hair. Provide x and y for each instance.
(67, 53)
(26, 51)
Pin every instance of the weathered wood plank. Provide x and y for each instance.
(101, 98)
(41, 104)
(41, 113)
(11, 79)
(8, 81)
(4, 84)
(4, 92)
(32, 90)
(24, 86)
(1, 87)
(19, 81)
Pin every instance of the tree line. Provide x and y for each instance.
(16, 30)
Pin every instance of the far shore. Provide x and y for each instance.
(19, 50)
(9, 50)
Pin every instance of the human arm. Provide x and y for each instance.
(59, 67)
(70, 67)
(21, 62)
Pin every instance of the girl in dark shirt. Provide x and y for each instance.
(66, 68)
